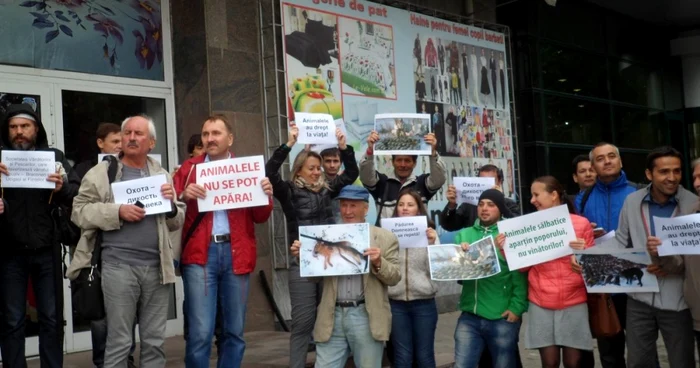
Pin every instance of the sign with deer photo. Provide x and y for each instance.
(333, 250)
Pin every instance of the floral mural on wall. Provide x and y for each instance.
(113, 37)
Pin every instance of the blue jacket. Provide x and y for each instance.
(605, 202)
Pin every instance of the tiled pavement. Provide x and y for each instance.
(271, 349)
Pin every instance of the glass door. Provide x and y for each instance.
(38, 95)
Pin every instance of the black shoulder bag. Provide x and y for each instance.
(86, 289)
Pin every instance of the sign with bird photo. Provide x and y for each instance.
(333, 250)
(449, 262)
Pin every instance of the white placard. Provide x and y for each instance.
(411, 231)
(680, 235)
(538, 237)
(315, 128)
(232, 183)
(145, 190)
(28, 169)
(469, 189)
(333, 250)
(155, 156)
(449, 262)
(616, 270)
(339, 123)
(605, 238)
(402, 134)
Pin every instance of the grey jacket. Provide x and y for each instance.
(631, 232)
(415, 280)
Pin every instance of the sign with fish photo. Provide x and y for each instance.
(333, 250)
(449, 262)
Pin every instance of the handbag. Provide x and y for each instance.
(66, 232)
(602, 316)
(86, 289)
(88, 300)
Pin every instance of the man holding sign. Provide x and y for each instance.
(30, 250)
(665, 311)
(219, 252)
(137, 259)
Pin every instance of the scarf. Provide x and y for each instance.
(314, 187)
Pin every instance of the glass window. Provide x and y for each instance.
(623, 38)
(635, 83)
(560, 160)
(83, 112)
(573, 23)
(634, 165)
(570, 120)
(571, 71)
(639, 128)
(531, 117)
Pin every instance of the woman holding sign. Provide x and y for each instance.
(413, 307)
(558, 313)
(306, 200)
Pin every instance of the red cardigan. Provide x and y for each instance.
(241, 222)
(553, 285)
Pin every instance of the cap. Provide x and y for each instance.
(497, 197)
(354, 192)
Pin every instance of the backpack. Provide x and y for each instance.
(88, 299)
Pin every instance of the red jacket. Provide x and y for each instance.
(241, 221)
(553, 285)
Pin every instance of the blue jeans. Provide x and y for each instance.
(413, 327)
(473, 333)
(15, 271)
(351, 333)
(203, 287)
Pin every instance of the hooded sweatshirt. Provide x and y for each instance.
(27, 222)
(489, 297)
(415, 281)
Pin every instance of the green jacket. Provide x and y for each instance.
(490, 297)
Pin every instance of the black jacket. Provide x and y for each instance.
(303, 207)
(466, 214)
(82, 168)
(27, 222)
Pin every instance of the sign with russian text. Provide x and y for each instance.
(316, 128)
(680, 235)
(469, 189)
(232, 183)
(538, 237)
(411, 231)
(144, 190)
(28, 169)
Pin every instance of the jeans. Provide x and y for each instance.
(128, 291)
(15, 271)
(473, 333)
(205, 287)
(413, 327)
(643, 325)
(98, 330)
(304, 296)
(351, 333)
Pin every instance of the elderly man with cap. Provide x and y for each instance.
(491, 307)
(354, 313)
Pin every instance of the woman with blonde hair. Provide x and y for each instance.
(306, 200)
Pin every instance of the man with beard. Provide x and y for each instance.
(30, 248)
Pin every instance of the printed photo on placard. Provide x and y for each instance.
(619, 271)
(402, 134)
(449, 262)
(333, 250)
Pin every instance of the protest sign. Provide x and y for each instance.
(616, 270)
(603, 240)
(469, 189)
(155, 156)
(402, 134)
(538, 237)
(232, 183)
(680, 235)
(315, 128)
(28, 169)
(411, 231)
(449, 262)
(339, 123)
(146, 191)
(333, 250)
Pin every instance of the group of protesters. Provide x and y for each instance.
(390, 309)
